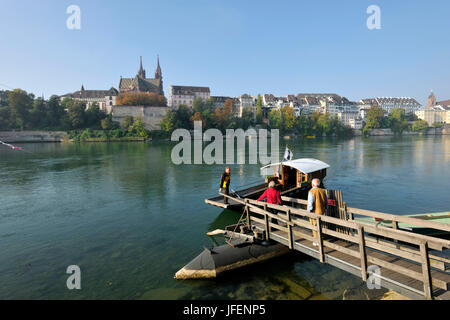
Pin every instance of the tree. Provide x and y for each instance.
(198, 117)
(20, 103)
(4, 118)
(168, 122)
(38, 114)
(397, 120)
(127, 122)
(222, 117)
(374, 117)
(259, 113)
(77, 114)
(183, 117)
(107, 123)
(141, 99)
(55, 113)
(247, 119)
(94, 116)
(288, 118)
(420, 126)
(138, 129)
(197, 105)
(275, 120)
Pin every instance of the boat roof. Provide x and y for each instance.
(305, 165)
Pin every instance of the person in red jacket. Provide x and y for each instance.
(271, 195)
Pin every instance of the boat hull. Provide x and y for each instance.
(213, 262)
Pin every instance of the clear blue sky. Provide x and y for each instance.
(233, 46)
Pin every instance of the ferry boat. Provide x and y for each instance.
(292, 178)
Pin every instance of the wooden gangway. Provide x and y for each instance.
(411, 264)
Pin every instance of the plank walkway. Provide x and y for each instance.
(411, 264)
(389, 279)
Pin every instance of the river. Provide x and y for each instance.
(130, 219)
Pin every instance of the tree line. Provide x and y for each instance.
(397, 120)
(226, 117)
(23, 111)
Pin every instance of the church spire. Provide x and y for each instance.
(82, 87)
(158, 72)
(141, 72)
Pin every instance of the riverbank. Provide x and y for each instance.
(56, 136)
(62, 136)
(33, 136)
(388, 132)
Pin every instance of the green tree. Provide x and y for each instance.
(397, 120)
(127, 122)
(107, 123)
(259, 113)
(38, 114)
(183, 117)
(275, 119)
(94, 116)
(77, 114)
(55, 113)
(168, 122)
(4, 118)
(288, 118)
(420, 126)
(138, 129)
(198, 105)
(375, 118)
(20, 103)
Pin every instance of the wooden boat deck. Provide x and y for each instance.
(249, 193)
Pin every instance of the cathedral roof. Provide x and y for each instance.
(91, 94)
(140, 84)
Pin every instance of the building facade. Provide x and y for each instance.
(219, 101)
(105, 99)
(434, 116)
(350, 119)
(140, 83)
(246, 101)
(186, 95)
(410, 105)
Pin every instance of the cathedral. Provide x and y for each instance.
(140, 83)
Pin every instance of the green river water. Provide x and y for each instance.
(130, 218)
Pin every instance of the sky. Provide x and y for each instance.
(232, 46)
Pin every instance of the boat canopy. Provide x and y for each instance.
(305, 165)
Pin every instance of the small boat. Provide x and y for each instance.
(443, 217)
(243, 251)
(292, 178)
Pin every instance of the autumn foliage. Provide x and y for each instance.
(141, 99)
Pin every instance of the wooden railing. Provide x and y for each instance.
(392, 241)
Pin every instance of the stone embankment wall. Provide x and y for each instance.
(33, 136)
(388, 132)
(151, 116)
